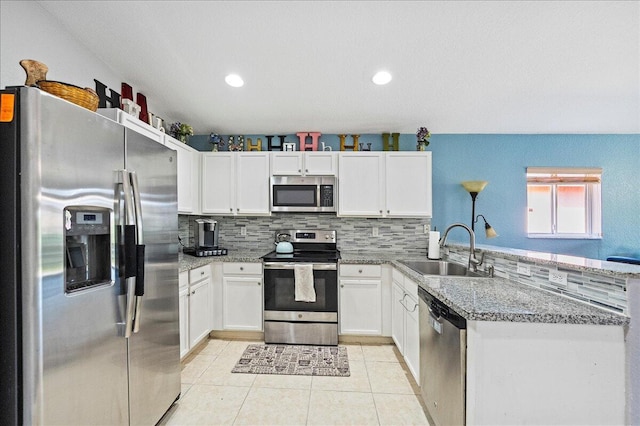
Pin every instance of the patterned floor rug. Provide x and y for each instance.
(294, 360)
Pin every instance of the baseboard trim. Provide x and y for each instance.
(237, 335)
(365, 340)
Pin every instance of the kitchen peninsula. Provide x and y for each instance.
(518, 338)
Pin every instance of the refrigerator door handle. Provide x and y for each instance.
(130, 252)
(140, 252)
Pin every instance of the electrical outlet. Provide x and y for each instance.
(243, 230)
(558, 277)
(427, 228)
(524, 269)
(374, 231)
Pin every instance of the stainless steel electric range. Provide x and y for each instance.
(296, 322)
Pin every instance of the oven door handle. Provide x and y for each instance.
(290, 265)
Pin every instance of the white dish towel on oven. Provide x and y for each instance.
(304, 290)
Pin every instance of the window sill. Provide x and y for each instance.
(565, 236)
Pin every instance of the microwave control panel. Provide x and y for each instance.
(326, 195)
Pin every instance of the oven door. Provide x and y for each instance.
(279, 289)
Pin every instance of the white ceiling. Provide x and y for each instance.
(458, 66)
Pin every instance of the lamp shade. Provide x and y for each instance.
(489, 232)
(474, 185)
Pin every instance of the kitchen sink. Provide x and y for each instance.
(440, 267)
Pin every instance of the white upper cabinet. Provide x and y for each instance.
(218, 183)
(188, 175)
(235, 183)
(361, 184)
(384, 184)
(310, 163)
(133, 123)
(408, 184)
(252, 183)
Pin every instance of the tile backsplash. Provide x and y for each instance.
(355, 234)
(407, 237)
(598, 289)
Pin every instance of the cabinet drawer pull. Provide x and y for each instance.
(242, 268)
(201, 272)
(359, 271)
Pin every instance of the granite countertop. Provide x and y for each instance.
(495, 299)
(476, 299)
(188, 262)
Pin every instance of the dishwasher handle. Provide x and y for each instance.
(441, 311)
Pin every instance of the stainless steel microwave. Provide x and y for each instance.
(303, 194)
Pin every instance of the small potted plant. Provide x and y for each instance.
(217, 141)
(423, 136)
(181, 131)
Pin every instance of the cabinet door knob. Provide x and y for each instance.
(231, 209)
(388, 211)
(259, 283)
(193, 292)
(237, 210)
(299, 170)
(341, 285)
(359, 271)
(201, 272)
(242, 268)
(380, 211)
(306, 170)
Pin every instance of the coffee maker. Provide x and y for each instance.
(206, 232)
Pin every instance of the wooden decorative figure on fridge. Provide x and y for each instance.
(113, 99)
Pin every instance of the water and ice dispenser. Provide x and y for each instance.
(87, 247)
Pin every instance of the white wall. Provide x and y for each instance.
(27, 31)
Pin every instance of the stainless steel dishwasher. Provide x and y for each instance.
(443, 357)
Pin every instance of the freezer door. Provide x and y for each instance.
(154, 350)
(74, 354)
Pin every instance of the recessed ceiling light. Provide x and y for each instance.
(381, 77)
(234, 80)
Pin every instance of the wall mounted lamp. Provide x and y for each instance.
(489, 232)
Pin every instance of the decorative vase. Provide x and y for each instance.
(215, 147)
(183, 138)
(422, 145)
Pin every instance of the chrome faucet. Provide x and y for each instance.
(473, 261)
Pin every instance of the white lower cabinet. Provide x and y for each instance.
(183, 306)
(360, 300)
(242, 296)
(405, 321)
(194, 307)
(199, 311)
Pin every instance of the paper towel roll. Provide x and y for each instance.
(434, 245)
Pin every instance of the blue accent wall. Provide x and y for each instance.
(502, 160)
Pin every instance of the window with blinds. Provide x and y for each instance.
(564, 202)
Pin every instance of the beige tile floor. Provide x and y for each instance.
(380, 391)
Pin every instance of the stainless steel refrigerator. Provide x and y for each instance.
(89, 259)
